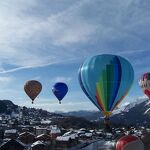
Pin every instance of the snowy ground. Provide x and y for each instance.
(100, 145)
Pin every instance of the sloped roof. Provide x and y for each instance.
(43, 135)
(38, 143)
(26, 134)
(18, 143)
(11, 131)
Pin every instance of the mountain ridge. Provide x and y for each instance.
(137, 112)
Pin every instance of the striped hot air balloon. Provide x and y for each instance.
(145, 84)
(106, 80)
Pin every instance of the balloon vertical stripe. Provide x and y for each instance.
(99, 100)
(104, 88)
(119, 101)
(117, 78)
(82, 87)
(109, 85)
(101, 91)
(99, 94)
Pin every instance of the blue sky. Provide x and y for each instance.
(48, 40)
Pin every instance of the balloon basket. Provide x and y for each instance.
(107, 124)
(59, 102)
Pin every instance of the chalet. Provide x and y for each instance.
(55, 131)
(39, 131)
(27, 137)
(11, 134)
(12, 145)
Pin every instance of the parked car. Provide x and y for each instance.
(71, 135)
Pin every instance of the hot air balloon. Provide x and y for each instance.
(32, 89)
(106, 80)
(60, 89)
(145, 84)
(129, 142)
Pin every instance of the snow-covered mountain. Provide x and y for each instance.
(129, 105)
(137, 112)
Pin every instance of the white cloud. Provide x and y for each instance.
(12, 94)
(62, 79)
(5, 79)
(53, 105)
(43, 37)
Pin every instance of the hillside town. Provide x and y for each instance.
(34, 129)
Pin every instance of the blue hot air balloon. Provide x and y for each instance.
(60, 89)
(106, 80)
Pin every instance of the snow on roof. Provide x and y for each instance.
(11, 131)
(12, 140)
(67, 136)
(39, 128)
(26, 133)
(61, 138)
(37, 143)
(46, 122)
(88, 134)
(43, 135)
(146, 112)
(55, 130)
(92, 130)
(82, 129)
(80, 132)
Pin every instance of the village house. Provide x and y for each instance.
(55, 131)
(39, 131)
(27, 137)
(11, 134)
(12, 145)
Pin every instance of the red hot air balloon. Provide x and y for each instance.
(145, 84)
(32, 89)
(129, 142)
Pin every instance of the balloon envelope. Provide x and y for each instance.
(145, 84)
(60, 89)
(32, 88)
(106, 80)
(129, 142)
